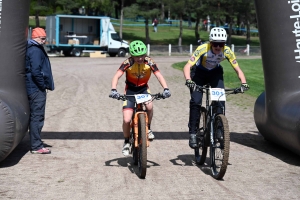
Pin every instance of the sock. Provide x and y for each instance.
(149, 127)
(126, 140)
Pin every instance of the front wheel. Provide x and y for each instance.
(219, 152)
(121, 53)
(142, 149)
(76, 52)
(201, 149)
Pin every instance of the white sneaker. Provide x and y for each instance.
(125, 149)
(150, 135)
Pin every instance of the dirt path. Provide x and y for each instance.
(83, 129)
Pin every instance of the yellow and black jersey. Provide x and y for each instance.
(203, 57)
(138, 75)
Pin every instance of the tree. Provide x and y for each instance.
(178, 7)
(146, 8)
(39, 6)
(68, 5)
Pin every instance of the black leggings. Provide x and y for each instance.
(202, 77)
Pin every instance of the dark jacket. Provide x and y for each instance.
(38, 68)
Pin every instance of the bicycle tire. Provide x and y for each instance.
(142, 149)
(201, 149)
(220, 151)
(134, 150)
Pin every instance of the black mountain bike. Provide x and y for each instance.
(213, 130)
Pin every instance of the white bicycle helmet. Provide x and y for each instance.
(217, 35)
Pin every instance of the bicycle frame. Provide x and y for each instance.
(139, 109)
(210, 115)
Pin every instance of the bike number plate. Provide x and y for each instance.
(217, 94)
(141, 98)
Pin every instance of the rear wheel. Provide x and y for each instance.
(142, 150)
(201, 150)
(219, 153)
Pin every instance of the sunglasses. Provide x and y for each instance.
(220, 44)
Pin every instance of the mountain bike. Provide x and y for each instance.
(213, 130)
(139, 129)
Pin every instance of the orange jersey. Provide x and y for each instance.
(138, 75)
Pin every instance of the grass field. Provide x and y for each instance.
(166, 34)
(252, 69)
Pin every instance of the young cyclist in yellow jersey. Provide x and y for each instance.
(204, 67)
(138, 70)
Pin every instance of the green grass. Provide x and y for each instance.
(252, 69)
(169, 35)
(32, 23)
(166, 34)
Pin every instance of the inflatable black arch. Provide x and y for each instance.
(14, 108)
(276, 111)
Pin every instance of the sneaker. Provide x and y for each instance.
(150, 135)
(193, 141)
(42, 151)
(125, 149)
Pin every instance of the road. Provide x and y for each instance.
(83, 130)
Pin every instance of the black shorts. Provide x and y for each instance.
(129, 103)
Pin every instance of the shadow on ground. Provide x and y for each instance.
(255, 141)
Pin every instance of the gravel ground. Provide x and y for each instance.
(83, 129)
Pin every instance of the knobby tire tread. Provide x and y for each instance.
(142, 152)
(202, 149)
(226, 142)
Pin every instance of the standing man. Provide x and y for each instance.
(38, 79)
(155, 22)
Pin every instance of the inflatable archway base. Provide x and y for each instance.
(14, 108)
(277, 110)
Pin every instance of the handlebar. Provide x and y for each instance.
(228, 90)
(124, 97)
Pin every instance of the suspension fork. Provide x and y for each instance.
(139, 111)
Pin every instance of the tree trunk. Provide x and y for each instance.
(197, 35)
(229, 32)
(121, 19)
(180, 35)
(147, 31)
(37, 21)
(162, 17)
(248, 32)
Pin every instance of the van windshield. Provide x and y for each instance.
(115, 36)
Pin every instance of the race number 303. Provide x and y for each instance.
(217, 94)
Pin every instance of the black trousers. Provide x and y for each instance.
(202, 77)
(37, 103)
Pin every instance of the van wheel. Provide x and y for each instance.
(121, 53)
(76, 52)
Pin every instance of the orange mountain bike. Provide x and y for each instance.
(139, 130)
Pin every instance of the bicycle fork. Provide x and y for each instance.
(136, 128)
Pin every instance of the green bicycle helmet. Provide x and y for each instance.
(137, 48)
